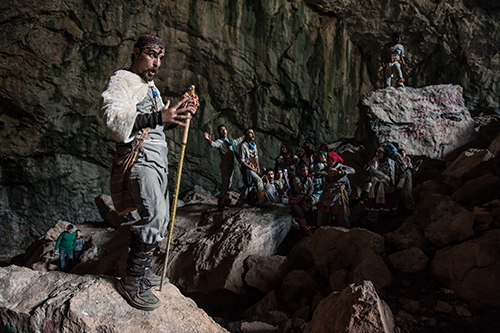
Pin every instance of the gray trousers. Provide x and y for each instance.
(407, 192)
(148, 183)
(226, 171)
(392, 68)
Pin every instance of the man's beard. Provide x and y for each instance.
(145, 74)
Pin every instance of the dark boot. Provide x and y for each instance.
(220, 204)
(137, 291)
(154, 279)
(135, 287)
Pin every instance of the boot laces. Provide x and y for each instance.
(144, 285)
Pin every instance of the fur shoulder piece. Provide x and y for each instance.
(118, 104)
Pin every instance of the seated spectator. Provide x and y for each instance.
(308, 150)
(302, 159)
(334, 199)
(273, 188)
(250, 169)
(302, 200)
(286, 161)
(284, 188)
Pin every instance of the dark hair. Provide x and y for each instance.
(247, 131)
(70, 226)
(78, 230)
(145, 40)
(396, 35)
(219, 127)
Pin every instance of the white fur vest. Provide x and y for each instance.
(118, 104)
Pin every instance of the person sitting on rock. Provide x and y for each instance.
(382, 189)
(308, 150)
(302, 200)
(273, 188)
(393, 61)
(286, 161)
(283, 187)
(227, 151)
(249, 160)
(334, 199)
(302, 159)
(66, 243)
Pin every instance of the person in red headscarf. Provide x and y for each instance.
(334, 199)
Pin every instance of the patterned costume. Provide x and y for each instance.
(249, 155)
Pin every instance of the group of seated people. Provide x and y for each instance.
(315, 183)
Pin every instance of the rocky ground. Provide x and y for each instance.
(254, 270)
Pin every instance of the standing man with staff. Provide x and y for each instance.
(135, 117)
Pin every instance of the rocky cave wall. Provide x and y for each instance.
(292, 70)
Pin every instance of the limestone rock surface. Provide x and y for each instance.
(431, 121)
(471, 269)
(210, 255)
(411, 260)
(343, 256)
(445, 220)
(58, 302)
(356, 309)
(292, 70)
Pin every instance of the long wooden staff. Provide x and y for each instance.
(193, 99)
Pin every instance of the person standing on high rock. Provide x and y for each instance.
(135, 116)
(227, 151)
(393, 62)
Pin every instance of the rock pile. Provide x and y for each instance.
(33, 301)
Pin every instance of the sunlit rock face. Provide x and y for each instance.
(292, 70)
(431, 121)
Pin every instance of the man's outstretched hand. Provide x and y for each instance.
(176, 115)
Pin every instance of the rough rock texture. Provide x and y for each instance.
(356, 309)
(472, 269)
(469, 165)
(265, 272)
(444, 220)
(411, 260)
(431, 121)
(477, 191)
(282, 68)
(293, 70)
(409, 234)
(211, 254)
(343, 256)
(446, 41)
(56, 302)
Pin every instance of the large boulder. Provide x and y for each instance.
(431, 121)
(409, 234)
(472, 269)
(469, 165)
(265, 272)
(211, 247)
(57, 302)
(444, 221)
(411, 260)
(356, 309)
(478, 191)
(343, 256)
